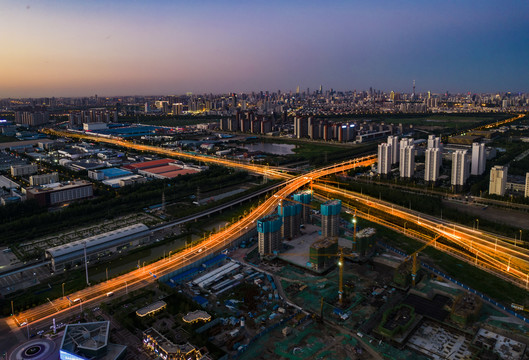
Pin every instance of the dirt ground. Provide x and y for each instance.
(514, 218)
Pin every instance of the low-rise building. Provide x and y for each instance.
(22, 170)
(89, 341)
(43, 179)
(97, 247)
(57, 193)
(167, 350)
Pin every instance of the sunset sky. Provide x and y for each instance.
(104, 47)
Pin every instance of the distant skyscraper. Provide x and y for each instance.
(407, 158)
(431, 170)
(384, 158)
(498, 180)
(394, 142)
(479, 159)
(460, 167)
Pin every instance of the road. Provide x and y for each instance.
(491, 252)
(149, 273)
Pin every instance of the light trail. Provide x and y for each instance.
(215, 243)
(494, 253)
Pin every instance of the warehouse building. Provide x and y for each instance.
(58, 193)
(99, 246)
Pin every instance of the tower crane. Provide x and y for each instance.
(413, 257)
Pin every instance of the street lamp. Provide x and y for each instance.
(477, 224)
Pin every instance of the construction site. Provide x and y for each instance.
(317, 282)
(364, 295)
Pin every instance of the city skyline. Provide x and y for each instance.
(110, 48)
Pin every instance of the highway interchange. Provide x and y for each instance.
(491, 252)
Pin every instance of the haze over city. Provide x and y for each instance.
(74, 48)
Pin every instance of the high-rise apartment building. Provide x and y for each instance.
(291, 216)
(300, 127)
(384, 158)
(431, 169)
(460, 168)
(498, 180)
(407, 161)
(395, 155)
(479, 159)
(330, 218)
(304, 197)
(269, 234)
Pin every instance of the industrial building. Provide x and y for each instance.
(98, 246)
(35, 180)
(291, 217)
(106, 174)
(330, 218)
(323, 253)
(22, 170)
(498, 180)
(167, 350)
(57, 193)
(89, 341)
(269, 234)
(164, 168)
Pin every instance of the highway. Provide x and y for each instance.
(150, 273)
(272, 172)
(494, 253)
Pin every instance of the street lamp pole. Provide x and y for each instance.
(63, 290)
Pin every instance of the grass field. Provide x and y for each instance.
(4, 139)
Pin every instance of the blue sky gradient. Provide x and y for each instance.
(73, 48)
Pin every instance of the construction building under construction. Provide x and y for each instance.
(291, 215)
(304, 197)
(465, 309)
(323, 253)
(269, 234)
(330, 218)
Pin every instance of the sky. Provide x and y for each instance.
(112, 48)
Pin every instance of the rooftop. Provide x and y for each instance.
(151, 308)
(97, 239)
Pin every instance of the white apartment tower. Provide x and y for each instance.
(407, 158)
(394, 142)
(498, 180)
(431, 170)
(460, 167)
(478, 159)
(384, 158)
